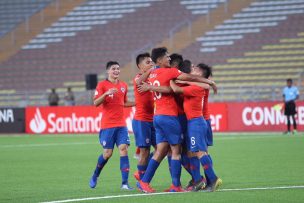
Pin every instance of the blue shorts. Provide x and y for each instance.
(197, 129)
(209, 134)
(167, 129)
(183, 123)
(144, 133)
(110, 136)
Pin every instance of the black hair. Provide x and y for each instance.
(186, 66)
(176, 59)
(141, 57)
(207, 70)
(289, 80)
(158, 53)
(111, 63)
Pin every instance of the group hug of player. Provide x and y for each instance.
(171, 100)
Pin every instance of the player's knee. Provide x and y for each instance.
(107, 154)
(200, 154)
(123, 150)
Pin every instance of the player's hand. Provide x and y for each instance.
(214, 87)
(143, 87)
(111, 91)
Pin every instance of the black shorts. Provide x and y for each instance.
(290, 108)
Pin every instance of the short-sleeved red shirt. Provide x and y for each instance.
(144, 103)
(165, 104)
(113, 106)
(193, 96)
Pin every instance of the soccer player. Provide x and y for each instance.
(197, 127)
(290, 94)
(167, 127)
(142, 123)
(111, 94)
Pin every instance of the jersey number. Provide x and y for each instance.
(157, 95)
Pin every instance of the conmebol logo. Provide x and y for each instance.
(37, 124)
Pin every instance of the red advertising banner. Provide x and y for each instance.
(232, 117)
(78, 119)
(218, 116)
(261, 116)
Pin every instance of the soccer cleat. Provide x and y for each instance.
(189, 185)
(215, 185)
(93, 181)
(144, 187)
(295, 132)
(136, 175)
(200, 185)
(286, 133)
(174, 188)
(126, 187)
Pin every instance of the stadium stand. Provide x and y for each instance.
(246, 47)
(265, 39)
(14, 12)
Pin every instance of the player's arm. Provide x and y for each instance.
(176, 89)
(196, 78)
(202, 85)
(143, 77)
(101, 99)
(147, 87)
(129, 104)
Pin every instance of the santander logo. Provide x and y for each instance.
(37, 124)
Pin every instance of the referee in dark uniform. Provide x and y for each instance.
(290, 94)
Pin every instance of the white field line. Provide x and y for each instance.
(172, 193)
(45, 145)
(221, 137)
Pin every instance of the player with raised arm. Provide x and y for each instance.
(142, 123)
(111, 95)
(197, 127)
(167, 127)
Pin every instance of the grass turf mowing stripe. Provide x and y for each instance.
(171, 193)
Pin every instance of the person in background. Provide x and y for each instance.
(69, 98)
(290, 94)
(53, 98)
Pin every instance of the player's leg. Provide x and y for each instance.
(294, 124)
(172, 130)
(288, 124)
(122, 142)
(142, 132)
(106, 140)
(209, 143)
(199, 141)
(185, 160)
(159, 154)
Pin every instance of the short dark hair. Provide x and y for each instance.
(158, 53)
(176, 59)
(289, 80)
(141, 57)
(186, 66)
(207, 70)
(111, 63)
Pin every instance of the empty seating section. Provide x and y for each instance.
(261, 46)
(92, 34)
(252, 53)
(14, 12)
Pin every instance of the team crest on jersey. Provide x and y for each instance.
(123, 89)
(147, 141)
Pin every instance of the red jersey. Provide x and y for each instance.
(206, 113)
(113, 105)
(144, 103)
(179, 98)
(165, 104)
(193, 96)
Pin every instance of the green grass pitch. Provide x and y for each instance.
(48, 168)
